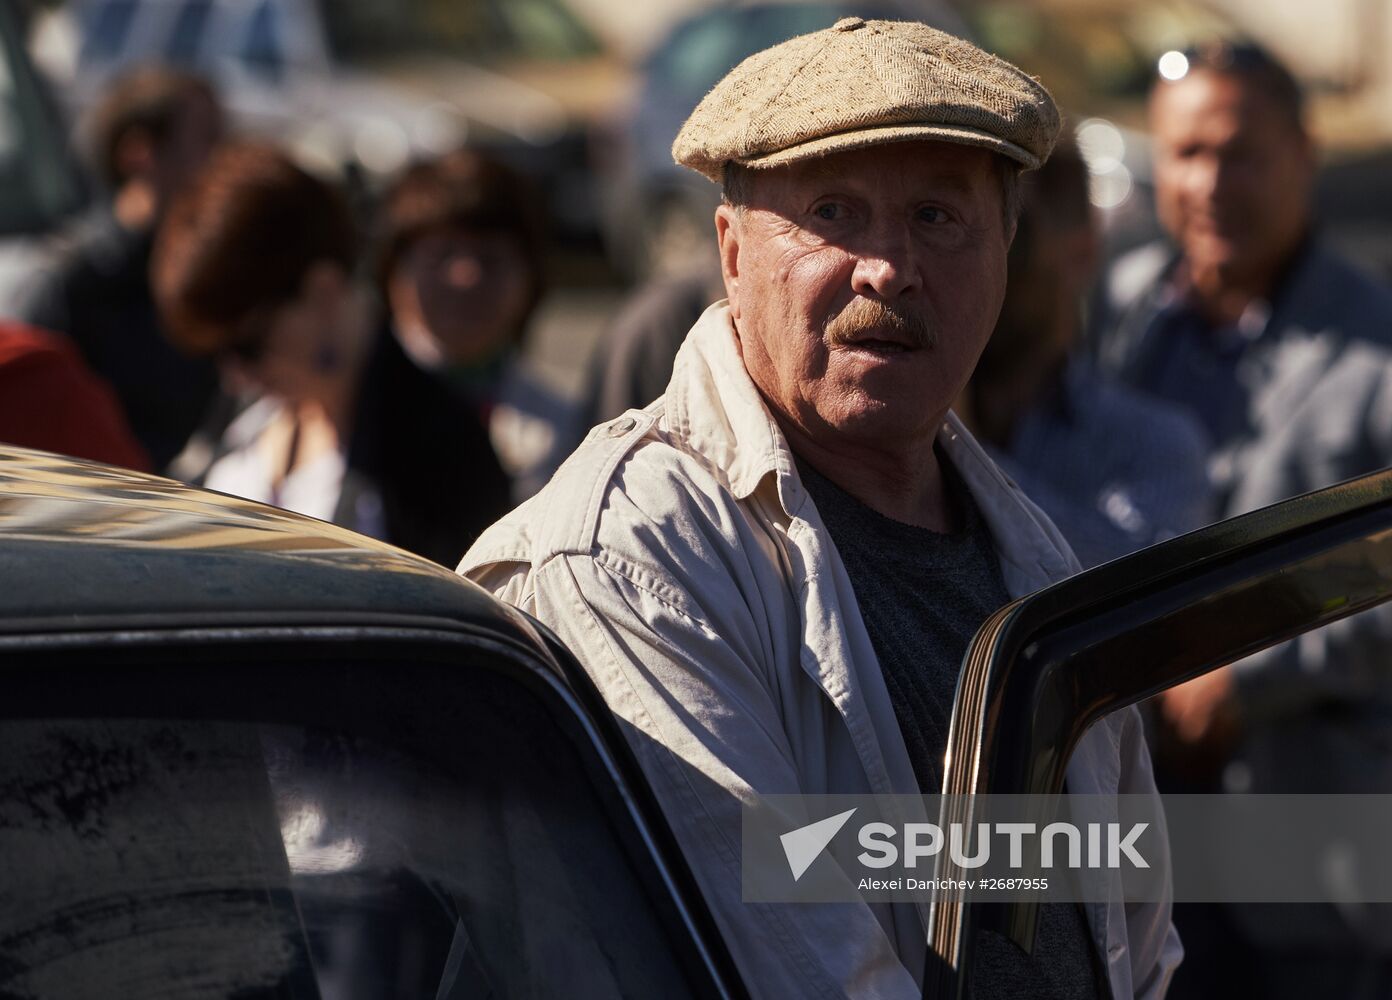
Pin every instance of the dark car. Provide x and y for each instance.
(246, 753)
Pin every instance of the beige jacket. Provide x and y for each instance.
(678, 555)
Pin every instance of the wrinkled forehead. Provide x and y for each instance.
(939, 167)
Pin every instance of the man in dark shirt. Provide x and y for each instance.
(1115, 468)
(150, 136)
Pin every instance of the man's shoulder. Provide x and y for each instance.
(632, 483)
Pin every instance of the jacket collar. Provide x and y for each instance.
(714, 406)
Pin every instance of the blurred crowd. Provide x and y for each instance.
(233, 318)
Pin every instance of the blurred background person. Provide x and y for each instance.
(1248, 311)
(1279, 347)
(1115, 469)
(256, 265)
(1245, 307)
(461, 267)
(149, 135)
(633, 364)
(50, 400)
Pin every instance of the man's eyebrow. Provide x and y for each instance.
(821, 169)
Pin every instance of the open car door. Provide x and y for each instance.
(1046, 667)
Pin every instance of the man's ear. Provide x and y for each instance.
(728, 221)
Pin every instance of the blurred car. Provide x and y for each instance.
(657, 215)
(247, 753)
(40, 184)
(361, 84)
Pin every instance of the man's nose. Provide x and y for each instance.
(886, 265)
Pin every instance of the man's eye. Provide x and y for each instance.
(931, 214)
(828, 212)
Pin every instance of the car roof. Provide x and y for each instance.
(89, 545)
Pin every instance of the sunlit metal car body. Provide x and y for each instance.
(248, 753)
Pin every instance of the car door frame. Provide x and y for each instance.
(1039, 672)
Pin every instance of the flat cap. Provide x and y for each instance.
(863, 83)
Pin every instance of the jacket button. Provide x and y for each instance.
(622, 426)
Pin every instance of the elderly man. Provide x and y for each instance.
(773, 571)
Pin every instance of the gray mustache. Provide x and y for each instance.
(865, 316)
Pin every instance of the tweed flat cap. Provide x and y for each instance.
(862, 83)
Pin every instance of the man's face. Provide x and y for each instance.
(864, 284)
(1232, 178)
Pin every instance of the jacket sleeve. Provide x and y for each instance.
(659, 615)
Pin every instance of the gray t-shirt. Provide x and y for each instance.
(923, 595)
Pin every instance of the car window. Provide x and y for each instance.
(377, 852)
(1046, 667)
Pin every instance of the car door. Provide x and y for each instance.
(1046, 667)
(326, 811)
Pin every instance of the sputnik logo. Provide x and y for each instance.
(803, 845)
